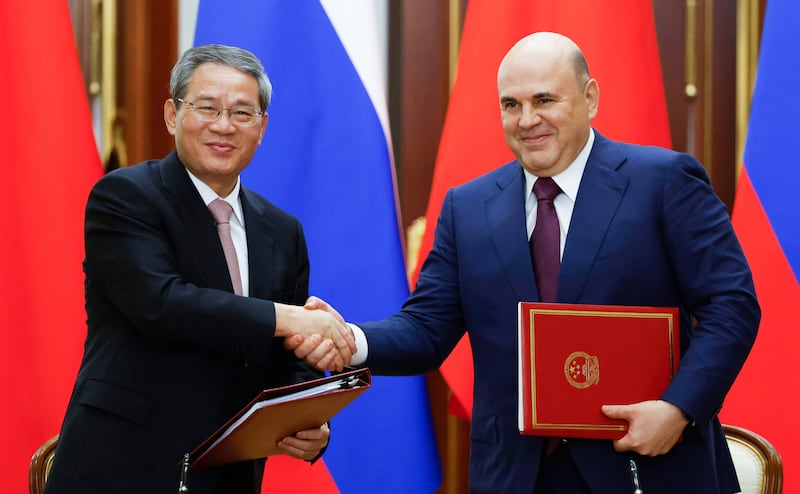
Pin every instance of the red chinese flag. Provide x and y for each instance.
(617, 37)
(50, 161)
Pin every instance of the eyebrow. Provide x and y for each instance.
(239, 102)
(543, 94)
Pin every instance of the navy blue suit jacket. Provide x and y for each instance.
(646, 229)
(171, 353)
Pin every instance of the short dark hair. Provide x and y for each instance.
(581, 67)
(231, 56)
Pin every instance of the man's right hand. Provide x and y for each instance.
(318, 336)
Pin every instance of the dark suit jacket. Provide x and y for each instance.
(646, 229)
(171, 353)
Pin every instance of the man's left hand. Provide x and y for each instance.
(306, 445)
(654, 427)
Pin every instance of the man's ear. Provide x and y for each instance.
(170, 115)
(592, 95)
(263, 127)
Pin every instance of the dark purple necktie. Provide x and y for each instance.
(545, 240)
(545, 247)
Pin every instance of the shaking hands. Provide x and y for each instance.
(316, 333)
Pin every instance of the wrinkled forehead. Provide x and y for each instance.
(212, 81)
(535, 72)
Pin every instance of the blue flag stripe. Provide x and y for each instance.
(771, 149)
(325, 159)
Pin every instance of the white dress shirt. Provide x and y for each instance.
(237, 224)
(569, 180)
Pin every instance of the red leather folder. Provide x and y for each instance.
(277, 413)
(576, 358)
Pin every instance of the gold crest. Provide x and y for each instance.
(582, 370)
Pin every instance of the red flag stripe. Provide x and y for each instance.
(316, 479)
(50, 164)
(759, 398)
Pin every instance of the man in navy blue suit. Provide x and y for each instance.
(638, 226)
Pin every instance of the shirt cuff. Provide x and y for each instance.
(361, 346)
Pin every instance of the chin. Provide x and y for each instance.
(535, 162)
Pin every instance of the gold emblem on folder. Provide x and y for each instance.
(582, 370)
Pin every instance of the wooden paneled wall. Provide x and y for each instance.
(127, 49)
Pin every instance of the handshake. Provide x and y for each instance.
(316, 333)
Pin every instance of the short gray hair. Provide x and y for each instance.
(231, 56)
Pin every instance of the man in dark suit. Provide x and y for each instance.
(637, 226)
(171, 351)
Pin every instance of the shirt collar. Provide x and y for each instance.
(208, 195)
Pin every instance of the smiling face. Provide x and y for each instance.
(547, 101)
(216, 152)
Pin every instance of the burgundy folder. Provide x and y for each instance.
(277, 413)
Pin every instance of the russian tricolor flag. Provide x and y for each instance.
(326, 158)
(765, 216)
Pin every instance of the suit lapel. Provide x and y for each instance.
(599, 196)
(197, 225)
(505, 215)
(260, 246)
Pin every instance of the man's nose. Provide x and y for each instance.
(529, 117)
(223, 123)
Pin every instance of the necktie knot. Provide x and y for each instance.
(221, 211)
(546, 189)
